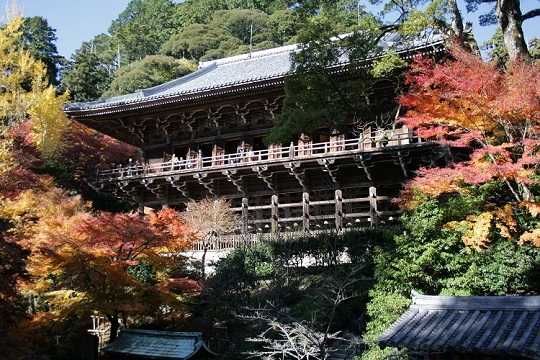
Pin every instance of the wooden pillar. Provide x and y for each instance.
(339, 210)
(140, 209)
(373, 206)
(305, 211)
(245, 215)
(275, 213)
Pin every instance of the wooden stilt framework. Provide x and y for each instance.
(291, 188)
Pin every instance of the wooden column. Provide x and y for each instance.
(275, 213)
(373, 205)
(140, 209)
(339, 210)
(245, 215)
(305, 211)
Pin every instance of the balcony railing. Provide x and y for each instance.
(397, 137)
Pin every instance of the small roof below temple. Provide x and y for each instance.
(163, 345)
(487, 325)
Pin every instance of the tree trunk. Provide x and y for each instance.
(508, 14)
(115, 325)
(203, 259)
(457, 21)
(463, 33)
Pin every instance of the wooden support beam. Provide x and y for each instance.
(232, 176)
(275, 213)
(264, 174)
(363, 162)
(328, 165)
(207, 183)
(245, 215)
(294, 169)
(373, 216)
(305, 210)
(401, 159)
(339, 210)
(178, 185)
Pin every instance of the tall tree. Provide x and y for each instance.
(83, 262)
(317, 98)
(25, 88)
(509, 16)
(201, 42)
(86, 76)
(245, 25)
(142, 28)
(39, 39)
(506, 13)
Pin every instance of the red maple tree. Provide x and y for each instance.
(491, 114)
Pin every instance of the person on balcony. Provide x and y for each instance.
(189, 162)
(200, 159)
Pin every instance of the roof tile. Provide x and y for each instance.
(490, 325)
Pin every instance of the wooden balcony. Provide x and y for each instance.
(306, 187)
(313, 151)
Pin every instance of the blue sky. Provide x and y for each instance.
(77, 21)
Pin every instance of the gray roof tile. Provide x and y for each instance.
(230, 72)
(490, 325)
(150, 344)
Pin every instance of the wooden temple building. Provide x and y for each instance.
(202, 135)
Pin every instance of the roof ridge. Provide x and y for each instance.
(254, 55)
(526, 302)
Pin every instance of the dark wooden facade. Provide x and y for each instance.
(214, 122)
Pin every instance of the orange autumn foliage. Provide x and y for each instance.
(494, 115)
(80, 261)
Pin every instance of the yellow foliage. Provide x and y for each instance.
(7, 163)
(477, 227)
(506, 222)
(532, 236)
(532, 207)
(25, 90)
(50, 122)
(31, 206)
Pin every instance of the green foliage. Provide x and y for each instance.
(241, 23)
(315, 97)
(284, 25)
(383, 309)
(534, 48)
(431, 258)
(388, 65)
(300, 277)
(495, 48)
(197, 41)
(39, 39)
(144, 271)
(152, 70)
(197, 11)
(243, 267)
(85, 76)
(142, 28)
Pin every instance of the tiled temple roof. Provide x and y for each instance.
(164, 345)
(231, 72)
(488, 325)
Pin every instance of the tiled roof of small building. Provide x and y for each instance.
(489, 325)
(219, 75)
(163, 345)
